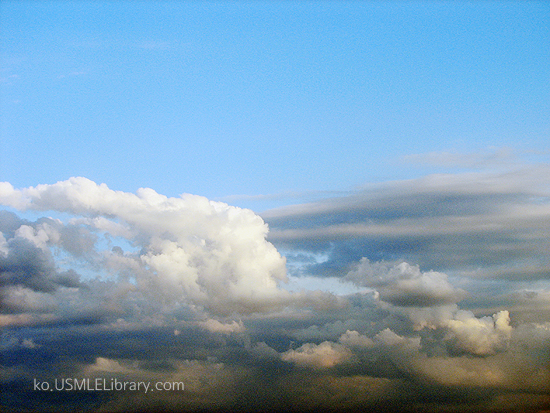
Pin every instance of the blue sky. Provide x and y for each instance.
(250, 98)
(395, 160)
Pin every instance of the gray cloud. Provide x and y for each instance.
(25, 260)
(405, 285)
(443, 222)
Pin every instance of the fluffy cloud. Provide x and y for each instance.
(482, 336)
(26, 261)
(405, 285)
(429, 301)
(193, 250)
(323, 355)
(225, 328)
(354, 339)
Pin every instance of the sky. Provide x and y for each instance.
(284, 205)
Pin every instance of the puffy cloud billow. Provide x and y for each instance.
(190, 250)
(405, 285)
(450, 309)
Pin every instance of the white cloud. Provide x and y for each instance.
(106, 365)
(10, 197)
(324, 355)
(193, 250)
(388, 338)
(225, 328)
(352, 338)
(480, 336)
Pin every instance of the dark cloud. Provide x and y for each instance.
(9, 223)
(27, 265)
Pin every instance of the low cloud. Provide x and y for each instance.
(484, 336)
(225, 328)
(323, 355)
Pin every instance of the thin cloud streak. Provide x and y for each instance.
(445, 222)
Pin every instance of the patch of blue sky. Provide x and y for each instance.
(229, 98)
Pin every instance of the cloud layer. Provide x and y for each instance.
(450, 309)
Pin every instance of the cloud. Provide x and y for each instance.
(405, 285)
(484, 336)
(27, 262)
(449, 310)
(192, 250)
(224, 328)
(323, 355)
(486, 225)
(354, 339)
(392, 340)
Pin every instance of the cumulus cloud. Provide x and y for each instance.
(483, 336)
(324, 355)
(224, 328)
(354, 339)
(429, 300)
(392, 340)
(192, 250)
(405, 285)
(28, 272)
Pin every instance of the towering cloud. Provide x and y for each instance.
(188, 250)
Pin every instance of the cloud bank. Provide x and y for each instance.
(450, 311)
